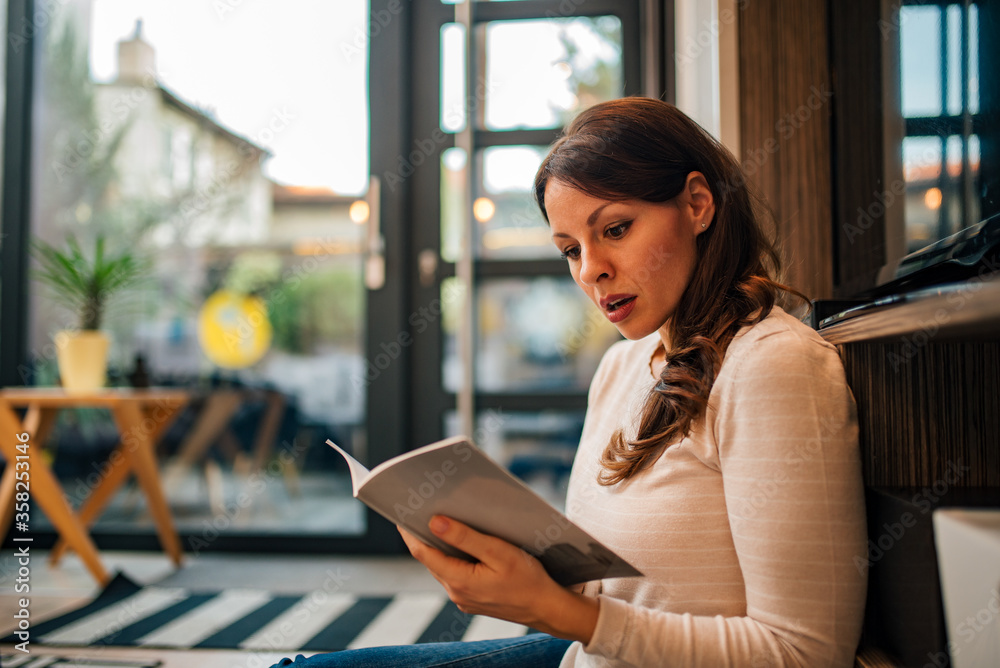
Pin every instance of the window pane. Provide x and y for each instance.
(179, 138)
(538, 448)
(934, 198)
(453, 104)
(540, 73)
(954, 59)
(922, 171)
(509, 223)
(533, 335)
(453, 179)
(452, 295)
(920, 37)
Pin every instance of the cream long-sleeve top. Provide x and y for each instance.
(750, 531)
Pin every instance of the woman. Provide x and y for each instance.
(719, 453)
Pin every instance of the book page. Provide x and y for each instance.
(358, 472)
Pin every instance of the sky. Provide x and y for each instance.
(250, 63)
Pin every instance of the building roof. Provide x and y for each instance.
(201, 117)
(206, 119)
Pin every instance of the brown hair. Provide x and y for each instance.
(642, 148)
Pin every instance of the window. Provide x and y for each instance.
(940, 65)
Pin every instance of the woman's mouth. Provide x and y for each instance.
(618, 308)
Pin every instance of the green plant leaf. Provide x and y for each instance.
(86, 285)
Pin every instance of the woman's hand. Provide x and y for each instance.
(506, 582)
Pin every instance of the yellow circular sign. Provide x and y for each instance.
(233, 329)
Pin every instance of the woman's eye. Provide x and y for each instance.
(570, 253)
(617, 231)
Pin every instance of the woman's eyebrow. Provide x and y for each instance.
(591, 219)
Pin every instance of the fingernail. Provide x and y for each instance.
(439, 524)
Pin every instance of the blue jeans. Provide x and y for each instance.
(537, 650)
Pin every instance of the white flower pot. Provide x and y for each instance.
(83, 359)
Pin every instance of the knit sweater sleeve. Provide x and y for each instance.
(784, 423)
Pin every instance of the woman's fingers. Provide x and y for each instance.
(488, 550)
(492, 555)
(411, 541)
(437, 562)
(505, 581)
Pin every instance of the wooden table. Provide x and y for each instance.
(141, 415)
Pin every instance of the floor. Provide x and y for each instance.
(57, 590)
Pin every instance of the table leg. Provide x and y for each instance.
(6, 498)
(267, 432)
(49, 495)
(116, 476)
(39, 421)
(138, 449)
(220, 406)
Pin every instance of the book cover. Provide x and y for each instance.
(456, 479)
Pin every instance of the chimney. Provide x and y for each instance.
(136, 58)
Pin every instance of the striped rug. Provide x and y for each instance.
(125, 614)
(27, 661)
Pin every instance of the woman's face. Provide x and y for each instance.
(634, 259)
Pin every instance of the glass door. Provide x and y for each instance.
(507, 342)
(225, 146)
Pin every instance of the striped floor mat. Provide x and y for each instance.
(126, 614)
(23, 661)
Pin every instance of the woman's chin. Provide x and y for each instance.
(632, 332)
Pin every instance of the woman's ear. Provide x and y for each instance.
(699, 201)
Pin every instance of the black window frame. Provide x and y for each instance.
(945, 125)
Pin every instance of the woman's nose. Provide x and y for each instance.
(593, 266)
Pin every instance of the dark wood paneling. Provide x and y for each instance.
(856, 44)
(785, 105)
(927, 410)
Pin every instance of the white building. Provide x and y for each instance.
(174, 152)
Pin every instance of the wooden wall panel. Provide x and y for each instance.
(786, 103)
(927, 410)
(858, 39)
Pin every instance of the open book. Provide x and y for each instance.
(456, 479)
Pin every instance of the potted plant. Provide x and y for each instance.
(85, 285)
